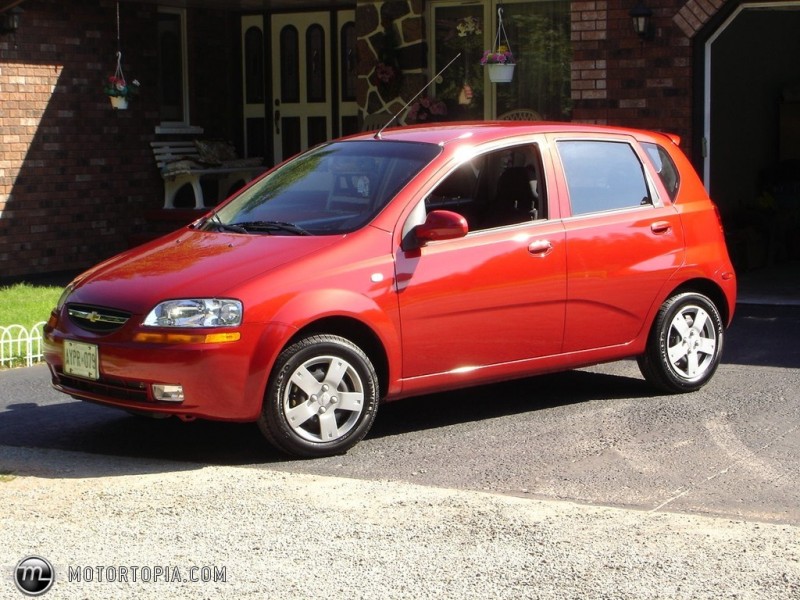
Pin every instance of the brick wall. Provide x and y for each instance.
(74, 174)
(620, 79)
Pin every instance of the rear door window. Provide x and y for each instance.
(665, 168)
(602, 176)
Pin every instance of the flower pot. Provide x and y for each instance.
(119, 102)
(501, 73)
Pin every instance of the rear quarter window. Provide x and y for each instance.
(665, 168)
(602, 176)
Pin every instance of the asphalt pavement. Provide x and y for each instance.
(583, 484)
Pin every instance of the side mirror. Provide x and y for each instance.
(441, 225)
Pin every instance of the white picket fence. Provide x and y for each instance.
(19, 346)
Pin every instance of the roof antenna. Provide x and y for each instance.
(407, 104)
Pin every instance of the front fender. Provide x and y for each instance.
(377, 313)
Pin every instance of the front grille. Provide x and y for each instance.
(117, 389)
(97, 318)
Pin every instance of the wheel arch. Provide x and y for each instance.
(700, 285)
(357, 332)
(711, 290)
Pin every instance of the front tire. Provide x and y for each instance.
(685, 345)
(321, 399)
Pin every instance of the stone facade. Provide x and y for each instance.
(391, 32)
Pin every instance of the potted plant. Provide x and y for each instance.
(426, 110)
(500, 63)
(119, 91)
(500, 60)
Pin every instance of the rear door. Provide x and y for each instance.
(623, 239)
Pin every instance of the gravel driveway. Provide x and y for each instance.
(278, 535)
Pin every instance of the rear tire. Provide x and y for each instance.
(321, 399)
(685, 344)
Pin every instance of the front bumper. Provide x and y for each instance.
(221, 381)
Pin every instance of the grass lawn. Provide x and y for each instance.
(25, 304)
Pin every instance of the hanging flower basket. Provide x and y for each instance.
(119, 102)
(501, 73)
(499, 60)
(117, 89)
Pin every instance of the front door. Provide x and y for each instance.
(482, 300)
(313, 66)
(301, 81)
(495, 297)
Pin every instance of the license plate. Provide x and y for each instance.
(81, 360)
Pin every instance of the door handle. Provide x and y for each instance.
(660, 227)
(540, 247)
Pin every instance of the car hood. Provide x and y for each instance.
(188, 264)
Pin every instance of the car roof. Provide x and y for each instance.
(486, 131)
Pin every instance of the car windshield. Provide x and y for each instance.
(334, 189)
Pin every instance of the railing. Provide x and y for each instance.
(19, 346)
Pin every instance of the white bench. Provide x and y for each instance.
(180, 163)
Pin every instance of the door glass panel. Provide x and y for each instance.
(317, 130)
(290, 65)
(539, 36)
(256, 132)
(348, 61)
(602, 176)
(290, 127)
(315, 63)
(254, 65)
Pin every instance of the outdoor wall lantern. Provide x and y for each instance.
(642, 24)
(9, 20)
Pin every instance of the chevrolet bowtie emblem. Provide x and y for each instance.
(93, 317)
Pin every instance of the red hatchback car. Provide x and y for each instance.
(416, 260)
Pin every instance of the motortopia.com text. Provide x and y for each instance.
(156, 574)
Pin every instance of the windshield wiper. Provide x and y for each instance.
(213, 221)
(269, 226)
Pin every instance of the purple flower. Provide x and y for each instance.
(501, 57)
(425, 109)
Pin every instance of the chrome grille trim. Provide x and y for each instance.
(96, 318)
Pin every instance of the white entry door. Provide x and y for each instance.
(301, 82)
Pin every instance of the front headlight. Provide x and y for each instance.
(64, 295)
(196, 312)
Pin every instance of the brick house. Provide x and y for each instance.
(78, 181)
